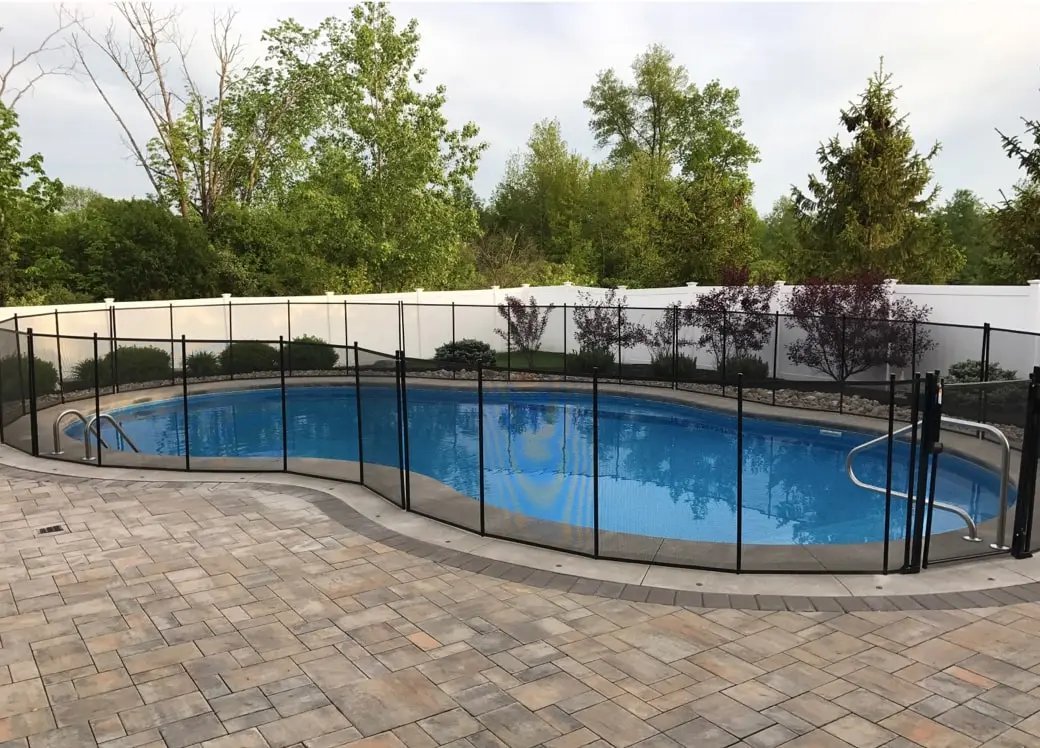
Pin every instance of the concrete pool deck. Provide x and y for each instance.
(184, 613)
(938, 587)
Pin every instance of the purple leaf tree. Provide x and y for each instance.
(854, 325)
(603, 326)
(735, 320)
(525, 325)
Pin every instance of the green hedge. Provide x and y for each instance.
(308, 353)
(125, 365)
(467, 351)
(247, 357)
(661, 366)
(753, 368)
(595, 358)
(202, 364)
(16, 386)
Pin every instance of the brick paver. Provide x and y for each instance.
(246, 616)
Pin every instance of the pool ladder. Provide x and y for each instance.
(91, 425)
(1005, 471)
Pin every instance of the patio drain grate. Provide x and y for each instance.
(50, 529)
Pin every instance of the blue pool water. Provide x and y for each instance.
(665, 470)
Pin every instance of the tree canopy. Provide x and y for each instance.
(331, 165)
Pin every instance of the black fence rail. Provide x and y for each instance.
(644, 461)
(807, 363)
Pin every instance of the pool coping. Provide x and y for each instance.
(350, 512)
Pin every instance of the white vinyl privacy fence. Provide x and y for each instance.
(420, 321)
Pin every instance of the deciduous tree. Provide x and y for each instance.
(854, 325)
(735, 320)
(525, 325)
(27, 200)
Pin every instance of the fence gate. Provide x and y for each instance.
(939, 531)
(1026, 536)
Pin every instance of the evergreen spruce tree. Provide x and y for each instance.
(867, 211)
(1018, 217)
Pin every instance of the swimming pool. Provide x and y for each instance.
(666, 470)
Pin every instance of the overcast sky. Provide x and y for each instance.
(964, 68)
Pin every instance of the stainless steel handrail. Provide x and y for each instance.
(57, 429)
(93, 425)
(1005, 473)
(973, 531)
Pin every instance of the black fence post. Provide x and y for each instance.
(285, 419)
(173, 355)
(724, 321)
(984, 358)
(984, 377)
(288, 327)
(565, 341)
(404, 434)
(776, 347)
(400, 326)
(740, 471)
(57, 343)
(21, 370)
(888, 469)
(400, 439)
(509, 344)
(184, 397)
(113, 347)
(97, 399)
(915, 417)
(928, 439)
(595, 461)
(842, 368)
(346, 333)
(935, 451)
(360, 430)
(619, 333)
(231, 335)
(913, 349)
(454, 373)
(480, 441)
(1025, 506)
(34, 425)
(675, 347)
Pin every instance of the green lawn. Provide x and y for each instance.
(542, 360)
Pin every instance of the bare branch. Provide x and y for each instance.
(129, 139)
(32, 58)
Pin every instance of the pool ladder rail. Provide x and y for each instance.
(1005, 471)
(91, 425)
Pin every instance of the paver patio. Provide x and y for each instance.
(229, 615)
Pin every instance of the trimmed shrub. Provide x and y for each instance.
(247, 357)
(15, 386)
(129, 365)
(971, 371)
(685, 366)
(594, 358)
(753, 368)
(308, 353)
(467, 351)
(1000, 399)
(202, 364)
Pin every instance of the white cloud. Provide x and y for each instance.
(964, 68)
